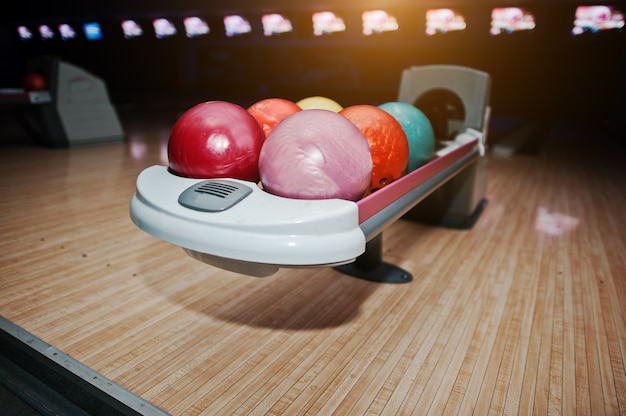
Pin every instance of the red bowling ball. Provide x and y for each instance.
(271, 111)
(34, 81)
(387, 140)
(216, 139)
(316, 154)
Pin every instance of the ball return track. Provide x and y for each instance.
(246, 230)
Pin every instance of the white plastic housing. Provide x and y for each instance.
(261, 229)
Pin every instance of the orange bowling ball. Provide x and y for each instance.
(388, 142)
(271, 111)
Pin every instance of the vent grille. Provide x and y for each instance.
(220, 190)
(213, 195)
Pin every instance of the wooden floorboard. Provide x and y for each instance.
(523, 314)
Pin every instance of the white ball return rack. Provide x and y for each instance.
(237, 226)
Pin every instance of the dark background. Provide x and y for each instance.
(546, 73)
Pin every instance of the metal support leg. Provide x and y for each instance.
(370, 265)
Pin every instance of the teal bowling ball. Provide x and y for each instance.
(418, 129)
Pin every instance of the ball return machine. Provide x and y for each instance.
(235, 225)
(74, 109)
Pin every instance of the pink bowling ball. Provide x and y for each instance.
(316, 154)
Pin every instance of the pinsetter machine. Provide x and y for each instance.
(235, 225)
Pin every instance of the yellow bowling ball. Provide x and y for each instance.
(319, 103)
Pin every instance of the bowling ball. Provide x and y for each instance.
(388, 143)
(419, 132)
(216, 139)
(271, 111)
(319, 103)
(316, 154)
(34, 81)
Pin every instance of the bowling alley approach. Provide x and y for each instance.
(321, 208)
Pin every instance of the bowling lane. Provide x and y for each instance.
(522, 313)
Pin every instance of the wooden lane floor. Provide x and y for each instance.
(522, 314)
